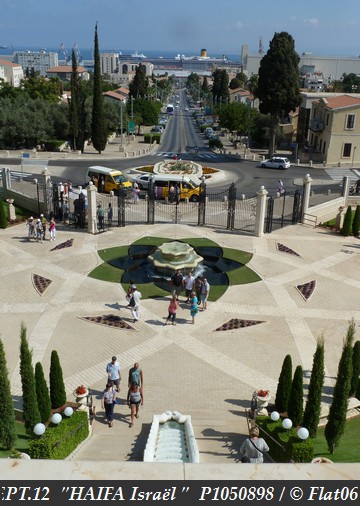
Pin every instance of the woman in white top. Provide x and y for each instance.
(108, 402)
(254, 447)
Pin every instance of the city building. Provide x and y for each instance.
(11, 73)
(109, 63)
(39, 61)
(119, 95)
(334, 129)
(63, 72)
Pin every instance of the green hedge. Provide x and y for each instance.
(294, 448)
(215, 143)
(59, 441)
(153, 137)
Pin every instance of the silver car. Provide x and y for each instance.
(276, 162)
(142, 181)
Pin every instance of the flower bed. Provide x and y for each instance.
(178, 167)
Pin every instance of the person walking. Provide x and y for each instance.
(108, 403)
(52, 229)
(44, 223)
(135, 303)
(189, 282)
(100, 215)
(110, 215)
(193, 307)
(136, 192)
(135, 397)
(280, 187)
(205, 289)
(197, 287)
(177, 282)
(173, 307)
(114, 373)
(254, 447)
(39, 230)
(136, 376)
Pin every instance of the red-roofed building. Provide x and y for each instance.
(334, 129)
(120, 94)
(63, 72)
(11, 73)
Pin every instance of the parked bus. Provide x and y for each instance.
(170, 109)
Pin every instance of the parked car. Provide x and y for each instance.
(276, 162)
(142, 181)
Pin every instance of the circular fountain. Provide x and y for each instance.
(175, 255)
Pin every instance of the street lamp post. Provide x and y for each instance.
(37, 194)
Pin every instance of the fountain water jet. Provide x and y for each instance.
(175, 255)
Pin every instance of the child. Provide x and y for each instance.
(173, 306)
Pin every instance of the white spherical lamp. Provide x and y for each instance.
(68, 411)
(275, 416)
(287, 423)
(303, 433)
(56, 418)
(39, 429)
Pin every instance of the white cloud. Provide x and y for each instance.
(311, 21)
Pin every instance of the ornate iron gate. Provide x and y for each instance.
(283, 211)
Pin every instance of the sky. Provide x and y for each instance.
(186, 26)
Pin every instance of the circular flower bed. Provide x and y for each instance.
(178, 167)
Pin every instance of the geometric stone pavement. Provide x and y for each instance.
(188, 368)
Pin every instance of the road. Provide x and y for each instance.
(181, 131)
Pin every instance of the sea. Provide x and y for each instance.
(87, 53)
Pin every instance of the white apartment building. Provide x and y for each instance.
(40, 61)
(109, 63)
(11, 73)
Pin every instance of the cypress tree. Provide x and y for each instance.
(278, 84)
(3, 220)
(74, 119)
(31, 412)
(42, 393)
(356, 222)
(296, 399)
(98, 124)
(57, 387)
(8, 434)
(345, 231)
(284, 385)
(313, 405)
(337, 414)
(355, 369)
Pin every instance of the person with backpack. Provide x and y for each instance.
(135, 303)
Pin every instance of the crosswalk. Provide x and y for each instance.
(18, 175)
(169, 154)
(337, 173)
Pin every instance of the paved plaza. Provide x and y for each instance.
(194, 369)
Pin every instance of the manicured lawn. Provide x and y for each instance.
(22, 443)
(349, 446)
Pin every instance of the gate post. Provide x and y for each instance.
(151, 202)
(91, 195)
(345, 186)
(202, 203)
(307, 187)
(260, 212)
(121, 207)
(231, 207)
(269, 215)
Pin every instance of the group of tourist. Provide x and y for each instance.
(37, 228)
(135, 394)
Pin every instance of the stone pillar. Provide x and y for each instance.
(91, 196)
(307, 189)
(11, 210)
(345, 186)
(339, 221)
(260, 212)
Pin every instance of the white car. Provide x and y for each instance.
(276, 162)
(142, 181)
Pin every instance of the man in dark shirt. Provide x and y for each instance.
(177, 283)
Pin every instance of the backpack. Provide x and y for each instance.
(132, 302)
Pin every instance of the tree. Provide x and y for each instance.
(42, 393)
(234, 117)
(313, 405)
(7, 415)
(355, 369)
(76, 108)
(351, 83)
(337, 414)
(234, 83)
(205, 85)
(31, 412)
(139, 85)
(345, 231)
(3, 220)
(98, 127)
(356, 222)
(278, 86)
(284, 385)
(220, 87)
(57, 387)
(296, 400)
